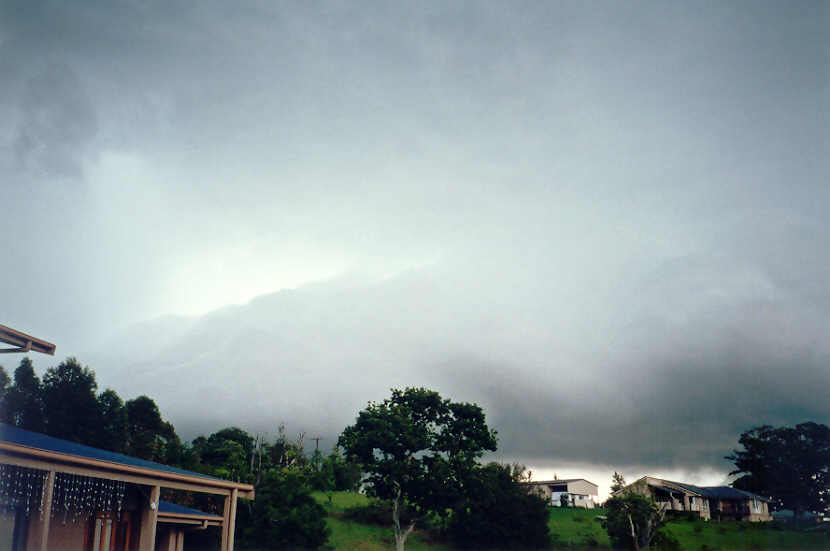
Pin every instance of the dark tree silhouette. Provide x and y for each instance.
(23, 402)
(789, 465)
(72, 408)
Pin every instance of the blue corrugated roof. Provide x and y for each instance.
(727, 492)
(168, 507)
(31, 439)
(718, 492)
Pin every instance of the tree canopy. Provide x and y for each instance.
(419, 450)
(617, 482)
(632, 521)
(789, 465)
(499, 513)
(22, 404)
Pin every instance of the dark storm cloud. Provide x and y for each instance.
(605, 223)
(56, 123)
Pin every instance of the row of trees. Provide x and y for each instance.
(66, 404)
(416, 451)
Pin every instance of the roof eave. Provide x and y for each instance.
(23, 342)
(245, 490)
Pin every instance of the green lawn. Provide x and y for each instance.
(575, 529)
(347, 535)
(727, 536)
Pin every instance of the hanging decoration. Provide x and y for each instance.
(77, 497)
(21, 489)
(74, 497)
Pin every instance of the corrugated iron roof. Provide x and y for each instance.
(14, 435)
(716, 492)
(175, 509)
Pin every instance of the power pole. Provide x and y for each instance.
(316, 442)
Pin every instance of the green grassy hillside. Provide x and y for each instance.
(347, 535)
(575, 529)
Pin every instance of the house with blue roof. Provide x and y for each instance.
(708, 502)
(60, 495)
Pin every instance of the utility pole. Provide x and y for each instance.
(316, 442)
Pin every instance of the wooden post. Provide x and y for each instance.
(226, 515)
(47, 510)
(149, 517)
(232, 518)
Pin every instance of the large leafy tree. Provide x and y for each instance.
(346, 474)
(5, 381)
(23, 402)
(72, 408)
(418, 450)
(228, 452)
(790, 465)
(113, 430)
(149, 436)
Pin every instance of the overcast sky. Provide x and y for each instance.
(606, 222)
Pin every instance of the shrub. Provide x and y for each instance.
(284, 515)
(623, 510)
(376, 512)
(497, 512)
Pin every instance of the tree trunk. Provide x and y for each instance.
(400, 535)
(634, 539)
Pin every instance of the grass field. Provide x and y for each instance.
(575, 529)
(727, 536)
(348, 535)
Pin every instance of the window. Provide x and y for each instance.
(692, 501)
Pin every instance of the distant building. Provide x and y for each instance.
(716, 502)
(577, 491)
